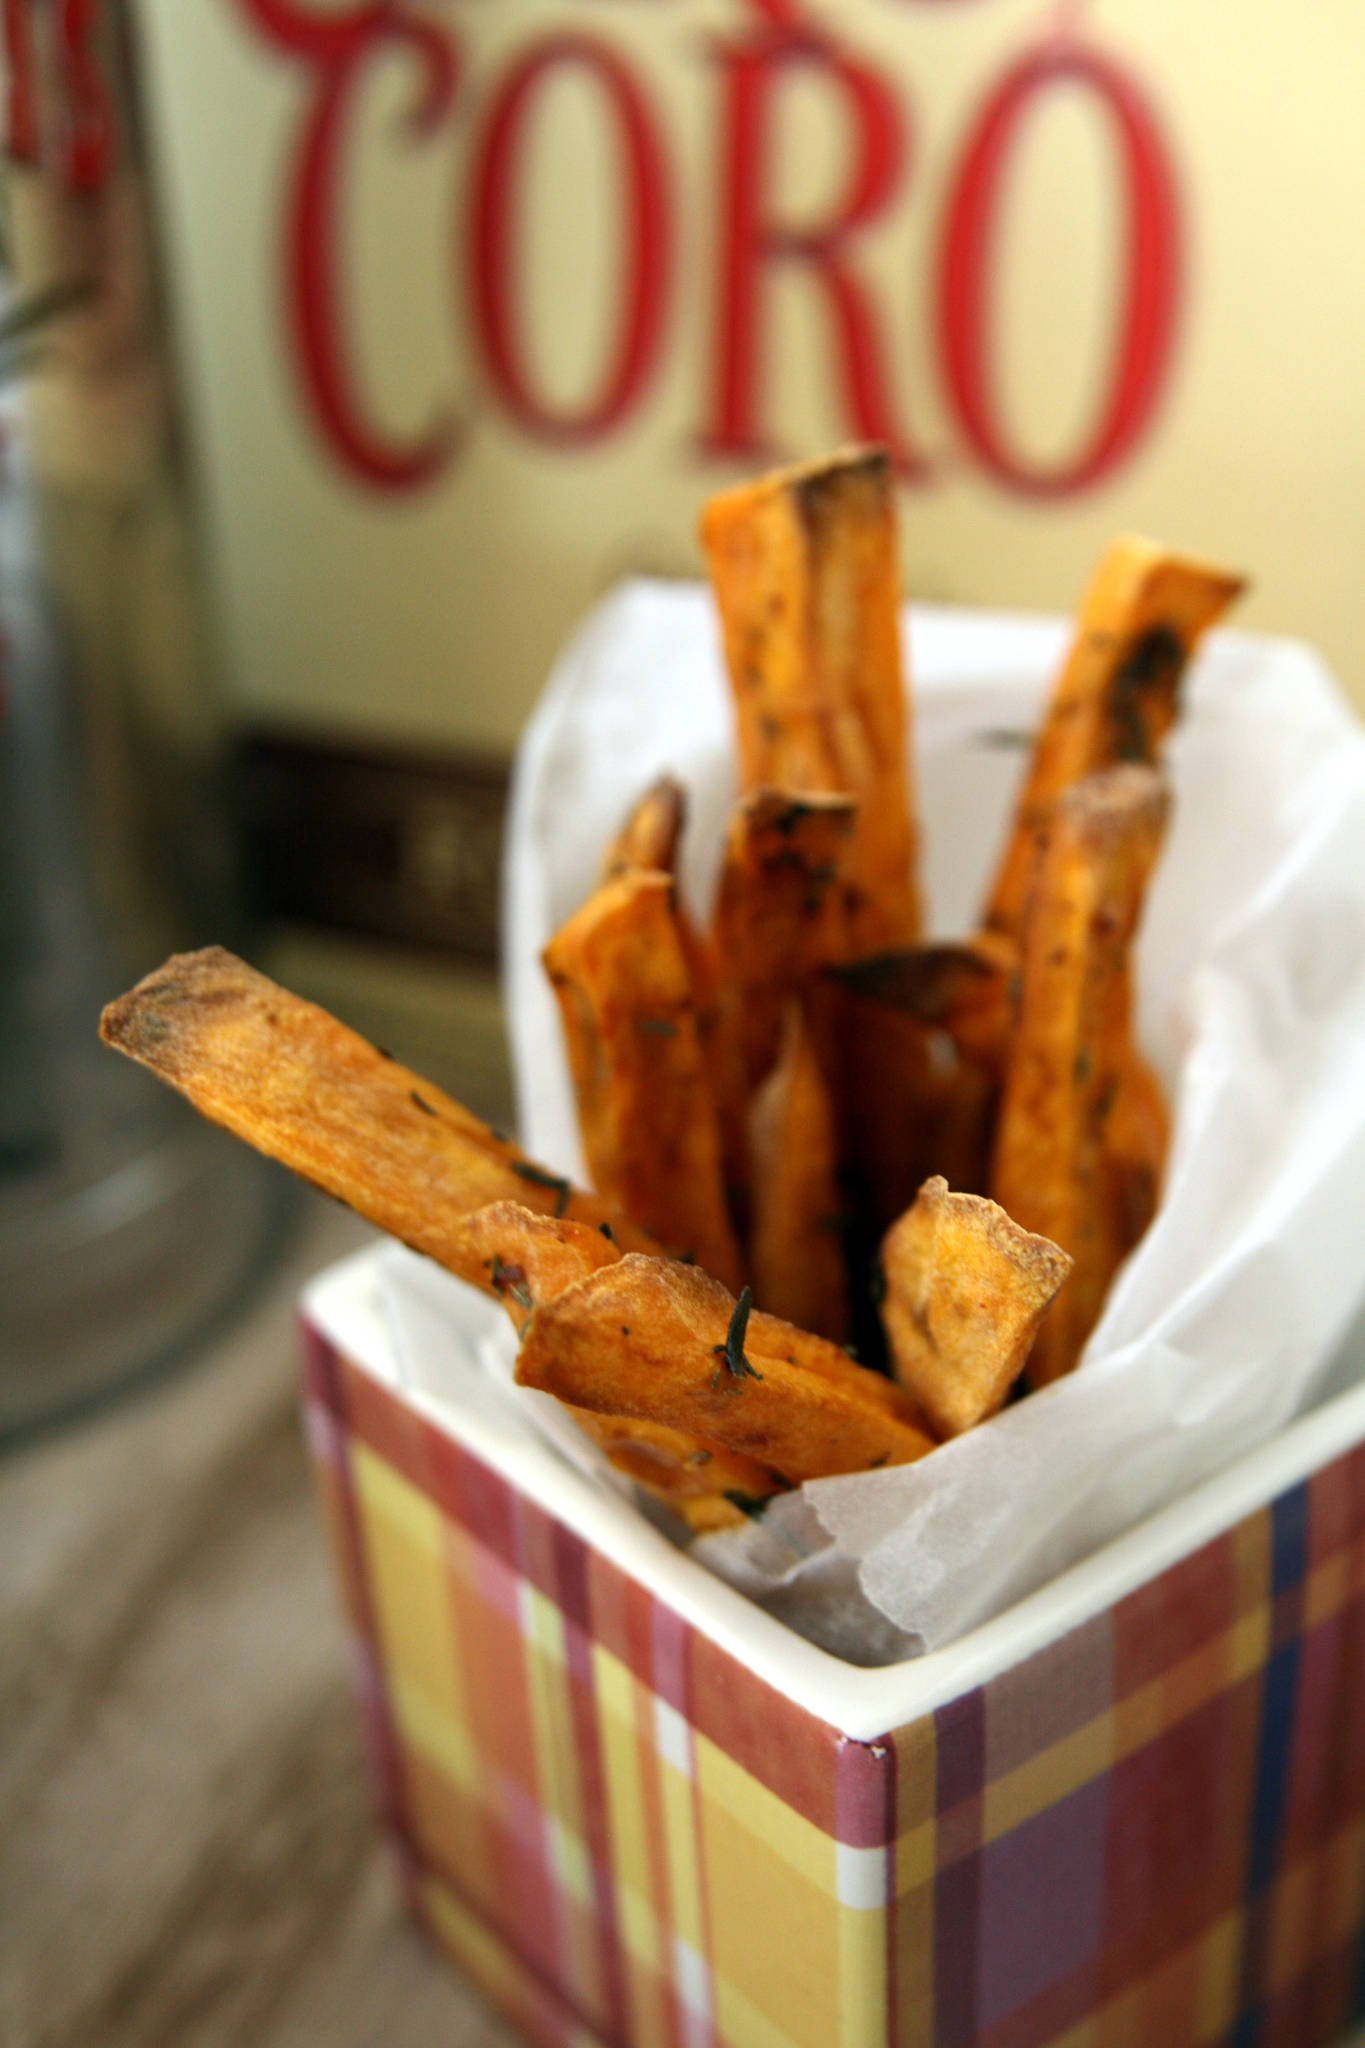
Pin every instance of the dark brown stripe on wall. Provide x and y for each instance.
(386, 842)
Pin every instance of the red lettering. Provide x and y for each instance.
(752, 240)
(339, 48)
(88, 141)
(495, 214)
(23, 140)
(1146, 328)
(784, 15)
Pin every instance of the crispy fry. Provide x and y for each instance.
(646, 1109)
(703, 1517)
(965, 994)
(1141, 619)
(673, 1464)
(778, 917)
(804, 567)
(879, 1066)
(803, 562)
(966, 987)
(1136, 1136)
(961, 1099)
(796, 1249)
(303, 1089)
(649, 842)
(650, 835)
(966, 1289)
(1073, 1040)
(652, 1338)
(776, 1338)
(523, 1259)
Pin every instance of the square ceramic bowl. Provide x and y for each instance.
(638, 1810)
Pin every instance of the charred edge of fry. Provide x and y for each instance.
(768, 809)
(968, 988)
(819, 489)
(810, 486)
(1141, 619)
(651, 833)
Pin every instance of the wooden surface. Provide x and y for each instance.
(187, 1853)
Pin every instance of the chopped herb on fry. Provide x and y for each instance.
(732, 1350)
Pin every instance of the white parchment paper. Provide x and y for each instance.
(1252, 1005)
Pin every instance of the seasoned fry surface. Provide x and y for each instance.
(779, 915)
(796, 1249)
(966, 1289)
(647, 1110)
(804, 567)
(1142, 616)
(1137, 1136)
(966, 987)
(521, 1258)
(1074, 1039)
(649, 1337)
(676, 1466)
(524, 1259)
(307, 1091)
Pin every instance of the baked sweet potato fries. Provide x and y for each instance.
(852, 1187)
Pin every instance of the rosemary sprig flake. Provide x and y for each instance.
(731, 1352)
(511, 1280)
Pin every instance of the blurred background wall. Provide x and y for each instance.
(468, 307)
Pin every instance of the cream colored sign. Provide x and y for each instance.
(476, 304)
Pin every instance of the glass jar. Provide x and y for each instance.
(127, 1226)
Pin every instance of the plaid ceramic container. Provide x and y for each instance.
(638, 1810)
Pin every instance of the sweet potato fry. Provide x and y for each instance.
(804, 567)
(966, 1289)
(1136, 1137)
(652, 1338)
(803, 563)
(1141, 619)
(648, 843)
(650, 835)
(303, 1089)
(878, 1064)
(714, 1511)
(646, 1108)
(944, 1079)
(796, 1252)
(676, 1466)
(778, 916)
(961, 1099)
(967, 987)
(523, 1259)
(1072, 1040)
